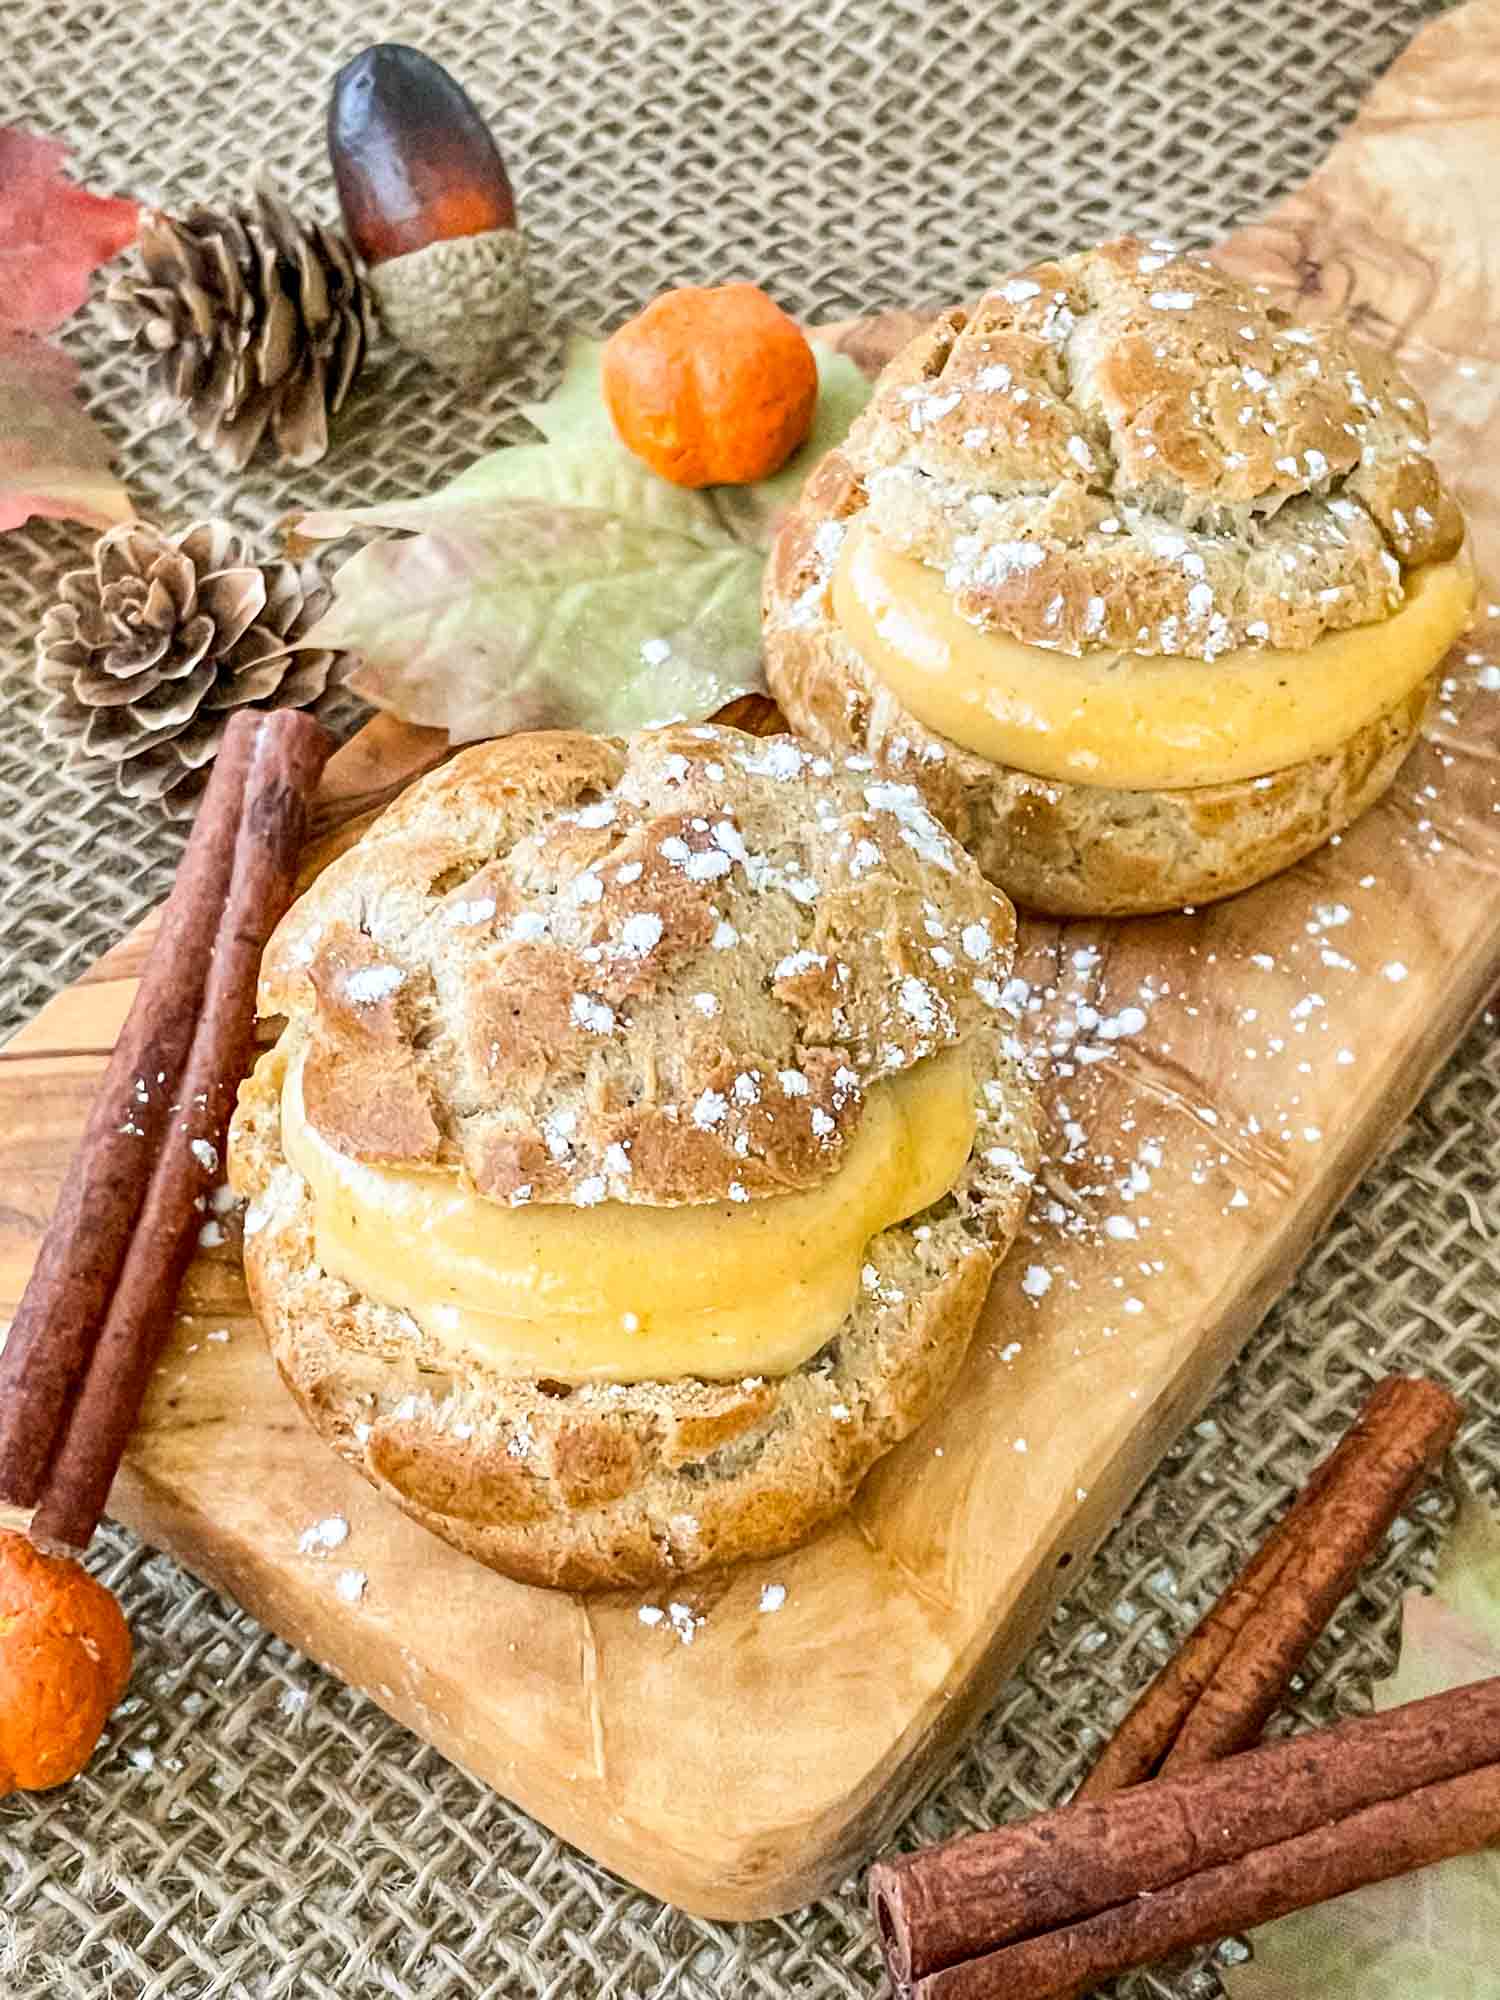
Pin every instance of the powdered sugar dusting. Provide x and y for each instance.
(640, 934)
(372, 983)
(330, 1533)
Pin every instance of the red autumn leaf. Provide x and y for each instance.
(53, 233)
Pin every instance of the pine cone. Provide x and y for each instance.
(146, 655)
(254, 320)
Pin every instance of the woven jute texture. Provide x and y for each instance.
(250, 1827)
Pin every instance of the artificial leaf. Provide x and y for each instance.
(1432, 1935)
(549, 618)
(53, 233)
(565, 584)
(577, 474)
(54, 459)
(576, 410)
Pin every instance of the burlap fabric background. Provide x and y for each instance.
(250, 1828)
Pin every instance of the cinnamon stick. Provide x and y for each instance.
(1148, 1732)
(286, 753)
(1458, 1816)
(1217, 1693)
(948, 1904)
(58, 1319)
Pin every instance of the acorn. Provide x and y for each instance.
(428, 205)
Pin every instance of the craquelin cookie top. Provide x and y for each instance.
(658, 971)
(1130, 449)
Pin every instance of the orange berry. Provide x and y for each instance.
(64, 1662)
(711, 386)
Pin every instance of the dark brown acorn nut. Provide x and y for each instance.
(428, 205)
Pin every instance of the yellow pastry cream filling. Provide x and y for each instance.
(1127, 720)
(621, 1291)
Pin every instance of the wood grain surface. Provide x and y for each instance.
(1219, 1082)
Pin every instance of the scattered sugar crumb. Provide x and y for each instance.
(640, 934)
(470, 910)
(372, 983)
(1129, 1021)
(685, 1622)
(773, 1596)
(597, 1017)
(330, 1533)
(351, 1585)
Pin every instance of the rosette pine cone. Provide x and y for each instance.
(147, 655)
(256, 322)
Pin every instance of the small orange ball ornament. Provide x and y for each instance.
(64, 1661)
(711, 387)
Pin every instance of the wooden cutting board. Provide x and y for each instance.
(1221, 1081)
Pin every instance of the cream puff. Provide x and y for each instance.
(642, 1136)
(1143, 583)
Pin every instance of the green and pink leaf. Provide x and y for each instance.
(54, 459)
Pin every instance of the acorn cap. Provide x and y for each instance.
(457, 303)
